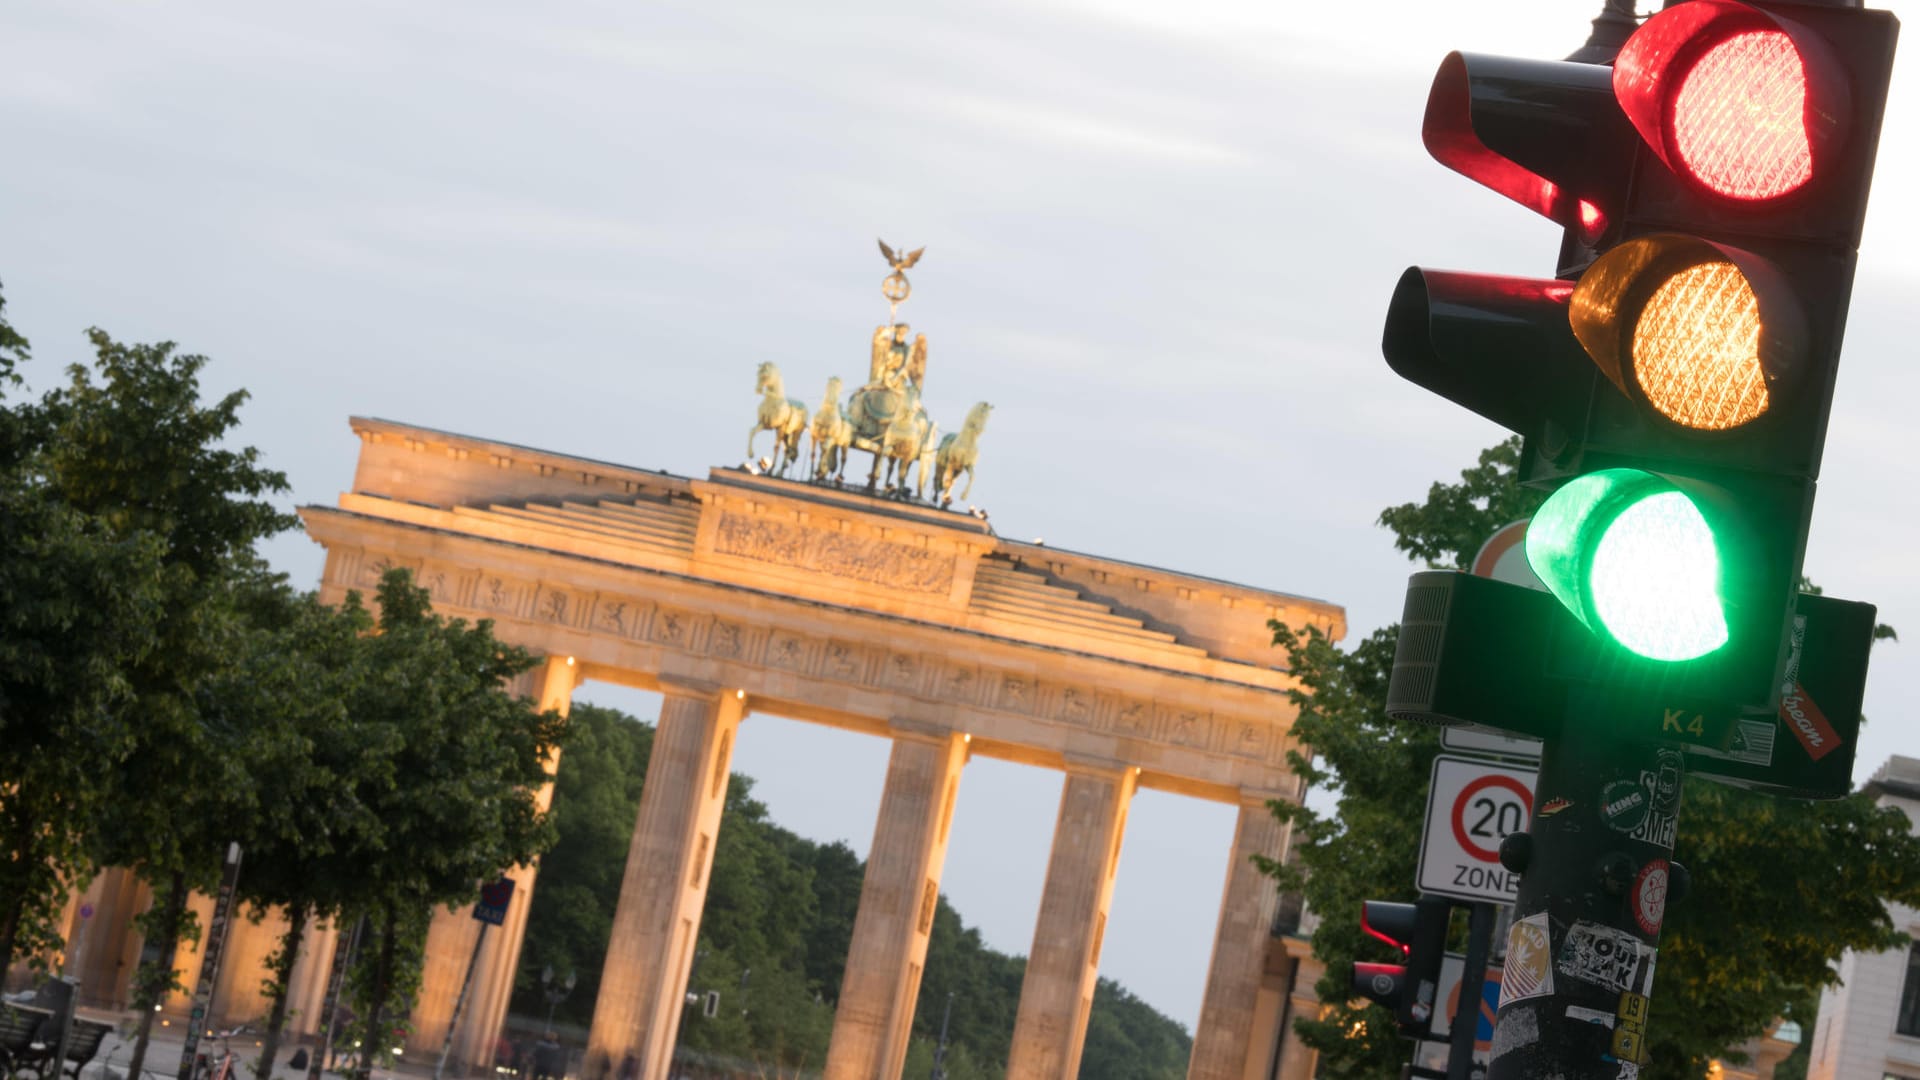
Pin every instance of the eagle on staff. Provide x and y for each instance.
(900, 262)
(896, 288)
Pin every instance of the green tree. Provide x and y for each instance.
(133, 444)
(79, 608)
(285, 702)
(1781, 887)
(595, 797)
(463, 758)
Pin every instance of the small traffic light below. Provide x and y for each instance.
(1419, 931)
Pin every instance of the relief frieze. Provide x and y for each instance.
(486, 594)
(842, 555)
(786, 651)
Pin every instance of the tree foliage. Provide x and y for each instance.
(284, 702)
(459, 760)
(79, 609)
(1780, 887)
(132, 443)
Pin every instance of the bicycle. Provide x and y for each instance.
(227, 1066)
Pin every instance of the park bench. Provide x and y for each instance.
(34, 1056)
(83, 1042)
(20, 1045)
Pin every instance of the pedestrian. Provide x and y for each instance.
(549, 1058)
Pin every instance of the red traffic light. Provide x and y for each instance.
(1745, 104)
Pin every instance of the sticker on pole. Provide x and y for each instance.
(1471, 806)
(1528, 972)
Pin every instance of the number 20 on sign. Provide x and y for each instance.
(1472, 805)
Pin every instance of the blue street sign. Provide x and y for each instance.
(494, 897)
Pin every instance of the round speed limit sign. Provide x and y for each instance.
(1472, 805)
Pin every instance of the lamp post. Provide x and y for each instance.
(555, 994)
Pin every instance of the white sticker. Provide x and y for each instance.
(1529, 968)
(1607, 957)
(1591, 1016)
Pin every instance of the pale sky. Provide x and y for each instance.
(1161, 239)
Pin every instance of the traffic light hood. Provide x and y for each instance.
(1544, 133)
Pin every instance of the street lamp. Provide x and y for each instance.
(555, 994)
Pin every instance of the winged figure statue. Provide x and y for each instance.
(900, 262)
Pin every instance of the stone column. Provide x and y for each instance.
(1057, 993)
(1269, 1012)
(307, 989)
(238, 997)
(897, 901)
(1221, 1040)
(102, 945)
(1298, 1061)
(451, 935)
(644, 984)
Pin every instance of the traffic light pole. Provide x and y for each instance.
(1473, 975)
(1596, 871)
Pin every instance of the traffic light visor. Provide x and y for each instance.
(1534, 131)
(1390, 921)
(1702, 334)
(1745, 104)
(1635, 559)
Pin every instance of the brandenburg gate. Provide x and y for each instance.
(742, 594)
(870, 608)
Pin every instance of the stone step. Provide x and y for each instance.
(556, 524)
(1081, 610)
(1140, 639)
(1023, 580)
(680, 515)
(664, 528)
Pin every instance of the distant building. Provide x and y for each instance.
(1869, 1026)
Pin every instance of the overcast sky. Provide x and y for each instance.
(1160, 239)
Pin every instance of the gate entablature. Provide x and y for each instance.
(824, 544)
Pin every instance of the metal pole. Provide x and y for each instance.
(343, 950)
(940, 1053)
(680, 1032)
(1593, 892)
(460, 1003)
(202, 1007)
(1473, 974)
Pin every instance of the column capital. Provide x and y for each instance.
(1253, 798)
(921, 730)
(1106, 768)
(673, 685)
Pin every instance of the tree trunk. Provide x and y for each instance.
(10, 930)
(152, 980)
(375, 1029)
(27, 860)
(282, 968)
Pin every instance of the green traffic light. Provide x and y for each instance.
(1635, 559)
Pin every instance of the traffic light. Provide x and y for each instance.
(1419, 931)
(1673, 380)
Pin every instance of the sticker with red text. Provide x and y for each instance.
(1808, 723)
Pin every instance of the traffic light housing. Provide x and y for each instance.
(1419, 931)
(1672, 381)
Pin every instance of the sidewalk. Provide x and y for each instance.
(163, 1053)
